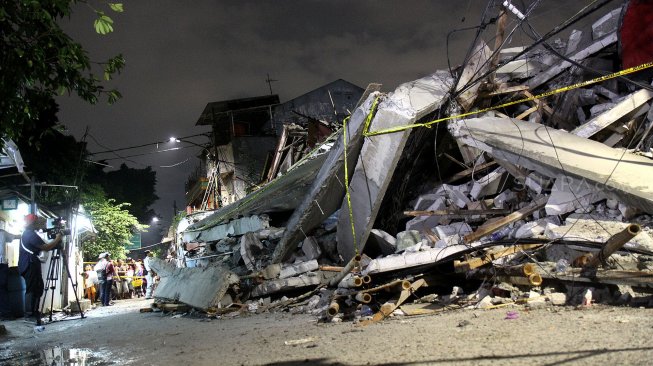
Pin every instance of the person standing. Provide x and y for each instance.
(29, 264)
(90, 280)
(100, 269)
(138, 272)
(149, 276)
(105, 272)
(5, 237)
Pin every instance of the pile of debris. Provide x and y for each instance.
(544, 200)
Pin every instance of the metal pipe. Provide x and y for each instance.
(353, 263)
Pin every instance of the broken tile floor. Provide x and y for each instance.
(509, 336)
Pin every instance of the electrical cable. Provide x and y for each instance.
(143, 145)
(581, 14)
(536, 36)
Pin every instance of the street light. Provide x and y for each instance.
(155, 220)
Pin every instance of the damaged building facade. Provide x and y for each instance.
(522, 177)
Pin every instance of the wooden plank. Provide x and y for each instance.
(538, 103)
(527, 112)
(498, 41)
(468, 172)
(501, 223)
(507, 90)
(490, 256)
(627, 106)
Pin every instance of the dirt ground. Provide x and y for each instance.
(121, 335)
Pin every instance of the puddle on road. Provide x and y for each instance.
(56, 357)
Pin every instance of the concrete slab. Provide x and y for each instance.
(385, 242)
(407, 239)
(311, 248)
(285, 284)
(487, 185)
(599, 229)
(568, 195)
(380, 155)
(250, 249)
(414, 259)
(235, 227)
(550, 152)
(477, 65)
(298, 268)
(201, 288)
(579, 55)
(328, 188)
(606, 24)
(625, 108)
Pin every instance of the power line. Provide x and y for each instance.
(141, 145)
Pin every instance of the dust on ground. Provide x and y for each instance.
(121, 335)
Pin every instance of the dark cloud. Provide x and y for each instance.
(183, 54)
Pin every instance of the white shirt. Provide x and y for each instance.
(146, 263)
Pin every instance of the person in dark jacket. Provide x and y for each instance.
(29, 264)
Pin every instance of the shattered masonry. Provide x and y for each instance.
(542, 203)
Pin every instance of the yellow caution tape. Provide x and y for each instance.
(631, 70)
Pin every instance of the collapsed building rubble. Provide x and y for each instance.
(542, 202)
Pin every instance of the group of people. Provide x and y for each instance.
(125, 274)
(118, 279)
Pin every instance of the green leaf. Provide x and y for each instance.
(103, 24)
(117, 7)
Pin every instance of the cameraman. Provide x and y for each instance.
(29, 264)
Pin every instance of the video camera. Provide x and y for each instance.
(58, 227)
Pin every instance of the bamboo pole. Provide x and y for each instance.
(353, 263)
(613, 244)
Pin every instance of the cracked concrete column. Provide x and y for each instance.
(380, 155)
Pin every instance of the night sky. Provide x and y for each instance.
(183, 54)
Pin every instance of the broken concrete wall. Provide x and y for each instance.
(201, 288)
(283, 194)
(380, 155)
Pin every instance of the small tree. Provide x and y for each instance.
(114, 225)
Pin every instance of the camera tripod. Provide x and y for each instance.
(52, 278)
